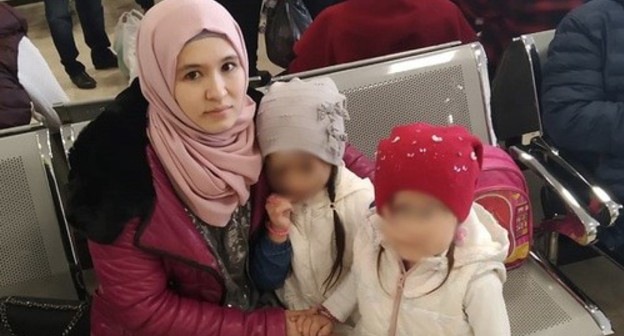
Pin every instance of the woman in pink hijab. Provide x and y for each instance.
(167, 186)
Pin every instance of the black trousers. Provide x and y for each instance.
(91, 16)
(247, 14)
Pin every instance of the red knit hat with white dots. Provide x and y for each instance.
(443, 162)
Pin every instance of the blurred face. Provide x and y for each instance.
(210, 85)
(418, 226)
(297, 175)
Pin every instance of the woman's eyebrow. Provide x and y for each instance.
(189, 67)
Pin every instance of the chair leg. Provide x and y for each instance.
(553, 248)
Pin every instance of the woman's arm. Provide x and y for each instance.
(485, 306)
(270, 262)
(134, 287)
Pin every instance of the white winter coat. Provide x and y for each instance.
(469, 303)
(312, 239)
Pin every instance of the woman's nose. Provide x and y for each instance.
(216, 88)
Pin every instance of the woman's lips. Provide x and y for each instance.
(220, 111)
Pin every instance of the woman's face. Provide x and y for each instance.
(297, 175)
(418, 226)
(210, 84)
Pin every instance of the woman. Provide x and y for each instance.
(170, 205)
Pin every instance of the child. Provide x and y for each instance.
(430, 262)
(318, 202)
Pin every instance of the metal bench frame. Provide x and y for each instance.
(49, 235)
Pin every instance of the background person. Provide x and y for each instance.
(360, 29)
(91, 16)
(583, 97)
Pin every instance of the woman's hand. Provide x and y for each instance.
(279, 210)
(315, 325)
(309, 322)
(291, 327)
(292, 317)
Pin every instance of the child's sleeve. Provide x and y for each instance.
(341, 304)
(270, 263)
(485, 306)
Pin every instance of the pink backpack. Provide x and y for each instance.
(503, 191)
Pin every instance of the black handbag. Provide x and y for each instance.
(286, 22)
(21, 316)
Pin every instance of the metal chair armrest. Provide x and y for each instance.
(607, 203)
(589, 223)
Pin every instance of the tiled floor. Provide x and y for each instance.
(601, 280)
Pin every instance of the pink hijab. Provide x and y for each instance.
(212, 173)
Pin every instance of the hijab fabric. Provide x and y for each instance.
(212, 173)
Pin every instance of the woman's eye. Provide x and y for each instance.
(228, 67)
(193, 75)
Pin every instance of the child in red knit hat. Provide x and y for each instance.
(430, 262)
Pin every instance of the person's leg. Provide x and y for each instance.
(91, 16)
(60, 23)
(247, 14)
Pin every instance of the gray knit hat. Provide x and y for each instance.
(303, 115)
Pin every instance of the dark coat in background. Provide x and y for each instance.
(583, 94)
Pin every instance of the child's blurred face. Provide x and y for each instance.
(417, 225)
(297, 175)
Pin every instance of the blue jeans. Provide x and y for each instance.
(91, 16)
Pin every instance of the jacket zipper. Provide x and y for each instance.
(397, 301)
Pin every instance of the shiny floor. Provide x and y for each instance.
(600, 279)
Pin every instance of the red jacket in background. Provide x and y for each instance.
(360, 29)
(499, 21)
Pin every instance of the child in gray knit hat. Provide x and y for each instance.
(318, 203)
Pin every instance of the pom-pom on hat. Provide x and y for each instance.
(443, 162)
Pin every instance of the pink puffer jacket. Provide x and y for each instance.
(160, 278)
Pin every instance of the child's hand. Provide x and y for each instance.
(315, 325)
(279, 210)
